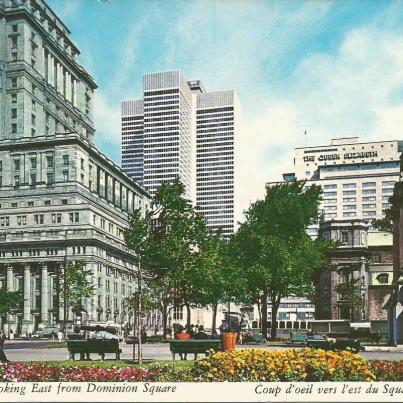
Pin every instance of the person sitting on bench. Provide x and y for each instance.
(182, 335)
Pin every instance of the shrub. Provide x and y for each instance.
(304, 365)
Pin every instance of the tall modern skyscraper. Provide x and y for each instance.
(216, 124)
(180, 130)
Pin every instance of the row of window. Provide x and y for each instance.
(38, 219)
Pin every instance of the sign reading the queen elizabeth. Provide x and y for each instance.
(346, 156)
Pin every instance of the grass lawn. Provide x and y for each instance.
(113, 363)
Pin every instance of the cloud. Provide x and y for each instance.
(358, 90)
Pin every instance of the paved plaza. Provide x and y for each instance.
(49, 351)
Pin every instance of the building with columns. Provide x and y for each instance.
(61, 199)
(363, 260)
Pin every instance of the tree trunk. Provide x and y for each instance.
(164, 319)
(274, 309)
(264, 315)
(214, 322)
(188, 315)
(259, 311)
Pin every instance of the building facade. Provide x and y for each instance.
(178, 130)
(357, 178)
(357, 284)
(61, 200)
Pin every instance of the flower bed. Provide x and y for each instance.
(286, 365)
(387, 370)
(20, 372)
(252, 365)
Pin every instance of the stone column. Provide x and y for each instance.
(60, 291)
(44, 294)
(103, 292)
(10, 287)
(27, 321)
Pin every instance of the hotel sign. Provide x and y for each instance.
(346, 156)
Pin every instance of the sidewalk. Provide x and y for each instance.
(385, 349)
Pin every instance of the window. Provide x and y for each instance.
(82, 163)
(13, 128)
(349, 200)
(17, 180)
(349, 207)
(64, 201)
(333, 186)
(33, 179)
(14, 98)
(368, 184)
(344, 237)
(49, 161)
(38, 218)
(329, 194)
(387, 190)
(4, 221)
(30, 204)
(65, 176)
(369, 199)
(178, 313)
(33, 132)
(74, 217)
(14, 205)
(283, 315)
(14, 113)
(349, 214)
(33, 162)
(65, 160)
(388, 183)
(14, 27)
(349, 185)
(369, 213)
(16, 165)
(369, 191)
(49, 178)
(56, 218)
(33, 105)
(22, 220)
(47, 202)
(33, 119)
(383, 278)
(14, 83)
(371, 205)
(349, 193)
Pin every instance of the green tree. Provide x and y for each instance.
(139, 303)
(76, 285)
(273, 250)
(214, 274)
(10, 301)
(166, 240)
(392, 213)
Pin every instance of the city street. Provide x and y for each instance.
(48, 351)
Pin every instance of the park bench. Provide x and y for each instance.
(158, 338)
(340, 344)
(298, 338)
(193, 346)
(100, 346)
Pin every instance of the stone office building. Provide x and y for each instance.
(364, 261)
(61, 199)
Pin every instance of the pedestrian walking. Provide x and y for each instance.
(3, 357)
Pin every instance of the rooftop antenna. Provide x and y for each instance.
(306, 139)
